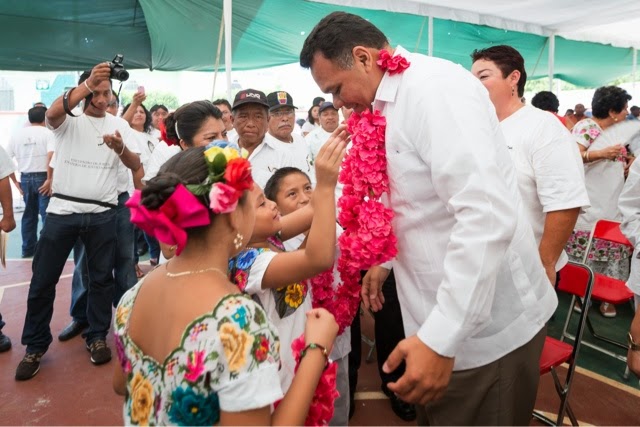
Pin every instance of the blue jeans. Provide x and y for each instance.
(59, 234)
(124, 268)
(34, 203)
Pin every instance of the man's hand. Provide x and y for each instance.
(114, 142)
(633, 361)
(371, 291)
(99, 73)
(426, 376)
(19, 187)
(45, 188)
(7, 223)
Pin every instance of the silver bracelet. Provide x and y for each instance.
(122, 152)
(87, 86)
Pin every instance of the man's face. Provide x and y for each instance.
(101, 98)
(579, 110)
(635, 112)
(281, 122)
(354, 87)
(250, 121)
(158, 116)
(226, 116)
(329, 119)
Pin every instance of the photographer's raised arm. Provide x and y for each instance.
(56, 114)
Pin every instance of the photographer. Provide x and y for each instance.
(89, 149)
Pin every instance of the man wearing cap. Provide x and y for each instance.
(250, 114)
(281, 124)
(329, 121)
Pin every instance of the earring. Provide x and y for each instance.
(513, 91)
(238, 241)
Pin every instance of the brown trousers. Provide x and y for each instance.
(500, 393)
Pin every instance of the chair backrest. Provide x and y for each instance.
(576, 279)
(609, 230)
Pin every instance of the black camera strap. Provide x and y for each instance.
(81, 200)
(65, 102)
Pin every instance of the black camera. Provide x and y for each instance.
(117, 69)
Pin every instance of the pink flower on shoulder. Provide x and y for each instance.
(195, 366)
(223, 197)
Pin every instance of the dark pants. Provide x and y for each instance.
(1, 322)
(124, 267)
(389, 330)
(34, 204)
(59, 235)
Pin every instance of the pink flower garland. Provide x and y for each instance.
(321, 409)
(368, 239)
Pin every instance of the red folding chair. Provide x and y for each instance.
(605, 288)
(576, 280)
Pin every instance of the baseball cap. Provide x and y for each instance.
(317, 100)
(249, 96)
(279, 99)
(326, 105)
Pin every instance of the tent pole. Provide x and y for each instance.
(215, 74)
(552, 52)
(417, 49)
(430, 48)
(228, 38)
(634, 69)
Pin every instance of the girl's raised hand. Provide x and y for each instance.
(330, 157)
(321, 328)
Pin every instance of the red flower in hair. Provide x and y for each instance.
(393, 64)
(238, 174)
(163, 134)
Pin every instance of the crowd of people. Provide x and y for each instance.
(248, 316)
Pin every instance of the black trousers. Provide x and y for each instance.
(389, 331)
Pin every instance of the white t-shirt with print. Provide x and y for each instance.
(548, 167)
(85, 167)
(140, 146)
(30, 147)
(160, 155)
(289, 327)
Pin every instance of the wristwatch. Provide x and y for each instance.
(633, 346)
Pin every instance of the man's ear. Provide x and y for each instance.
(362, 55)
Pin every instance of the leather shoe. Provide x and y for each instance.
(405, 411)
(5, 343)
(73, 329)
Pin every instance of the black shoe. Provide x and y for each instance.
(28, 366)
(405, 411)
(142, 249)
(28, 255)
(100, 352)
(73, 329)
(352, 405)
(5, 343)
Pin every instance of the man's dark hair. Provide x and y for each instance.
(36, 114)
(147, 117)
(507, 59)
(634, 108)
(608, 98)
(157, 107)
(546, 101)
(84, 76)
(189, 118)
(336, 35)
(222, 101)
(273, 185)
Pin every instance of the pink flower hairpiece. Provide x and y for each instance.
(168, 223)
(393, 64)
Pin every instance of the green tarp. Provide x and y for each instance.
(171, 35)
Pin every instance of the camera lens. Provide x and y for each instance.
(123, 75)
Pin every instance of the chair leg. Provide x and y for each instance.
(566, 322)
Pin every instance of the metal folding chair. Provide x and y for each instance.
(576, 280)
(605, 288)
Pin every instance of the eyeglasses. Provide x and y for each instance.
(280, 113)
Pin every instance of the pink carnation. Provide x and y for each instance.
(223, 197)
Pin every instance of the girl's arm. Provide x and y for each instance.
(319, 253)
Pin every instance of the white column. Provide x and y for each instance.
(227, 45)
(552, 52)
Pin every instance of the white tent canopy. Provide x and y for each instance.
(615, 22)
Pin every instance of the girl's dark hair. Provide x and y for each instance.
(546, 101)
(507, 59)
(147, 117)
(190, 118)
(310, 116)
(273, 185)
(607, 98)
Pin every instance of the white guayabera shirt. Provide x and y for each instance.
(469, 277)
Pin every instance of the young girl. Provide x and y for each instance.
(291, 189)
(277, 278)
(192, 350)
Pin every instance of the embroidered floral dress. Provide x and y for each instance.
(227, 360)
(607, 258)
(286, 307)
